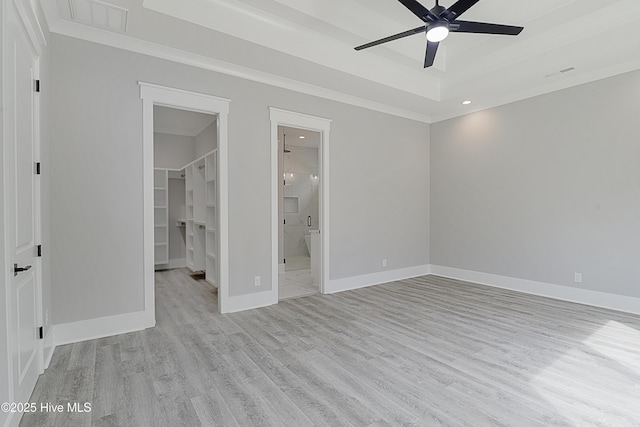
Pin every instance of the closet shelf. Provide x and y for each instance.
(161, 217)
(201, 212)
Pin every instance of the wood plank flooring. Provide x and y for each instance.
(427, 352)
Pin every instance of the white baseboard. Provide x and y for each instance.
(355, 282)
(565, 293)
(67, 333)
(49, 347)
(248, 302)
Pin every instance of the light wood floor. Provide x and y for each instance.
(426, 351)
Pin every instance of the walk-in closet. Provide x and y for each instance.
(185, 191)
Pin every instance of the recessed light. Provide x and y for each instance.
(301, 137)
(466, 102)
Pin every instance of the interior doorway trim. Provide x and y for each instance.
(151, 95)
(280, 117)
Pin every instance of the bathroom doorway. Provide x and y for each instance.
(299, 243)
(300, 203)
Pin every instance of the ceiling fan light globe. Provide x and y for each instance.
(437, 33)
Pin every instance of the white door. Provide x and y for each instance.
(21, 151)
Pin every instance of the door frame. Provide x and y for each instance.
(293, 119)
(151, 95)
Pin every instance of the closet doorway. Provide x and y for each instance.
(185, 191)
(185, 187)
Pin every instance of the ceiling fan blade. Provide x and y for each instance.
(484, 28)
(459, 7)
(416, 30)
(419, 10)
(430, 56)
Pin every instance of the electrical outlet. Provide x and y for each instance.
(384, 262)
(256, 281)
(577, 277)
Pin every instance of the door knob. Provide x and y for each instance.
(17, 269)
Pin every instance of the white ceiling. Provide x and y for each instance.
(174, 121)
(308, 45)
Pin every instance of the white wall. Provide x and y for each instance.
(543, 188)
(173, 151)
(206, 140)
(379, 183)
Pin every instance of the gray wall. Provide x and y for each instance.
(207, 140)
(543, 188)
(173, 151)
(379, 179)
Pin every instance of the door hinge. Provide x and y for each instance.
(37, 85)
(284, 221)
(37, 168)
(41, 332)
(284, 260)
(39, 249)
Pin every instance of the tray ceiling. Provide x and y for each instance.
(309, 44)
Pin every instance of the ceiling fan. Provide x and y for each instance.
(438, 22)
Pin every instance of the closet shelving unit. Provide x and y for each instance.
(201, 180)
(211, 244)
(161, 215)
(199, 220)
(189, 226)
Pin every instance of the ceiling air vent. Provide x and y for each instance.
(99, 14)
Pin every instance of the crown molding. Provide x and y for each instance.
(85, 32)
(29, 17)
